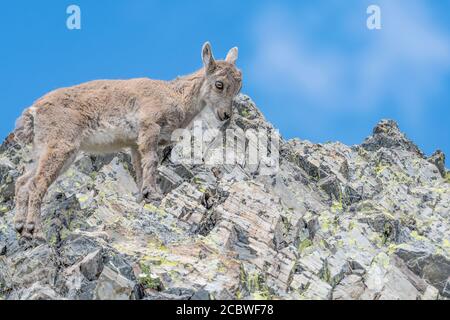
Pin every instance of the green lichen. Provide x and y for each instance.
(392, 249)
(245, 113)
(351, 225)
(197, 180)
(304, 244)
(174, 275)
(255, 281)
(64, 234)
(446, 243)
(4, 209)
(221, 268)
(53, 240)
(352, 241)
(415, 235)
(83, 199)
(260, 295)
(389, 215)
(242, 274)
(379, 168)
(323, 244)
(325, 275)
(255, 284)
(157, 245)
(152, 208)
(337, 206)
(402, 178)
(324, 223)
(148, 280)
(382, 259)
(447, 177)
(377, 240)
(161, 261)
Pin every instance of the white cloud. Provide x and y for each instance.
(404, 62)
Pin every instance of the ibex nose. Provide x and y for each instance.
(223, 115)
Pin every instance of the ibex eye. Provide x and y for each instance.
(219, 85)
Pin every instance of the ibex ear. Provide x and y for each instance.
(208, 58)
(232, 55)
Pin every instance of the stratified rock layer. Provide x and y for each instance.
(333, 222)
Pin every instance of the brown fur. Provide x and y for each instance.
(108, 115)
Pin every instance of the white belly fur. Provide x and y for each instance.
(109, 139)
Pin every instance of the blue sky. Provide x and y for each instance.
(312, 67)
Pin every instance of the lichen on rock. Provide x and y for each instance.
(333, 222)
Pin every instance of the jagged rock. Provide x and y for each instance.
(37, 265)
(179, 294)
(201, 295)
(113, 286)
(75, 248)
(328, 221)
(350, 288)
(310, 287)
(434, 268)
(386, 134)
(36, 292)
(91, 266)
(8, 176)
(438, 159)
(430, 293)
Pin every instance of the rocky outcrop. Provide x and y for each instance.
(331, 222)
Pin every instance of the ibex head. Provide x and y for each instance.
(223, 81)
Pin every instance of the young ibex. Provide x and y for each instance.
(108, 115)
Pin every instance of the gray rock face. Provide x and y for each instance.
(332, 222)
(113, 286)
(92, 265)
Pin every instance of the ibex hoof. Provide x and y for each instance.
(151, 196)
(27, 235)
(18, 226)
(30, 227)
